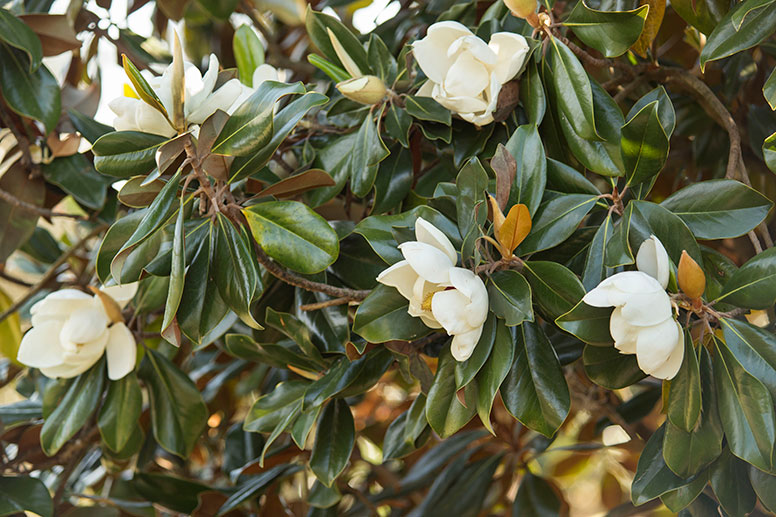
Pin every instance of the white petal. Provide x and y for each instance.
(430, 234)
(463, 344)
(121, 294)
(464, 106)
(471, 286)
(511, 50)
(429, 321)
(473, 45)
(431, 51)
(636, 282)
(429, 262)
(58, 305)
(197, 87)
(221, 99)
(401, 276)
(617, 289)
(652, 259)
(121, 351)
(89, 352)
(426, 89)
(670, 368)
(467, 77)
(263, 73)
(644, 310)
(85, 324)
(40, 346)
(65, 371)
(449, 309)
(655, 344)
(149, 120)
(623, 333)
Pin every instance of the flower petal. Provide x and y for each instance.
(473, 45)
(449, 309)
(401, 276)
(652, 259)
(467, 77)
(40, 346)
(429, 262)
(463, 344)
(623, 333)
(431, 51)
(198, 88)
(643, 310)
(66, 371)
(121, 294)
(671, 367)
(222, 99)
(430, 234)
(655, 344)
(85, 324)
(263, 73)
(121, 351)
(471, 286)
(511, 50)
(58, 305)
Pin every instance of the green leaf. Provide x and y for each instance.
(651, 219)
(126, 153)
(753, 285)
(394, 180)
(236, 275)
(555, 221)
(248, 53)
(250, 127)
(572, 87)
(535, 391)
(71, 413)
(368, 151)
(510, 297)
(718, 209)
(329, 326)
(397, 124)
(769, 90)
(769, 152)
(221, 9)
(532, 95)
(170, 330)
(289, 325)
(653, 478)
(318, 24)
(465, 371)
(744, 26)
(536, 497)
(381, 59)
(589, 324)
(644, 145)
(271, 409)
(444, 412)
(76, 176)
(142, 88)
(665, 108)
(611, 33)
(595, 266)
(178, 413)
(684, 397)
(471, 182)
(255, 485)
(527, 149)
(291, 233)
(334, 440)
(175, 493)
(406, 431)
(120, 411)
(764, 486)
(607, 367)
(89, 128)
(30, 94)
(383, 316)
(701, 14)
(754, 348)
(730, 481)
(679, 498)
(17, 34)
(688, 452)
(24, 493)
(426, 108)
(746, 410)
(278, 355)
(554, 288)
(334, 72)
(493, 372)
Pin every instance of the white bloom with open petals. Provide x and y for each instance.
(201, 99)
(440, 294)
(642, 322)
(465, 74)
(71, 330)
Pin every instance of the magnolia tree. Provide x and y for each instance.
(484, 258)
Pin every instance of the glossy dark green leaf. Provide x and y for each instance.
(531, 176)
(17, 34)
(24, 493)
(467, 490)
(769, 152)
(471, 182)
(532, 95)
(397, 124)
(72, 412)
(170, 330)
(444, 411)
(368, 151)
(141, 87)
(746, 410)
(754, 284)
(465, 371)
(335, 73)
(555, 221)
(291, 233)
(554, 288)
(120, 411)
(329, 326)
(653, 478)
(535, 391)
(730, 481)
(126, 153)
(754, 348)
(289, 325)
(250, 127)
(31, 94)
(590, 324)
(255, 485)
(383, 316)
(172, 492)
(426, 108)
(719, 209)
(644, 145)
(279, 355)
(248, 53)
(572, 87)
(510, 297)
(178, 413)
(744, 26)
(494, 371)
(536, 497)
(318, 26)
(665, 109)
(764, 486)
(684, 396)
(680, 498)
(394, 181)
(610, 32)
(651, 219)
(595, 266)
(405, 432)
(334, 441)
(769, 90)
(701, 14)
(89, 128)
(607, 367)
(272, 408)
(236, 275)
(76, 176)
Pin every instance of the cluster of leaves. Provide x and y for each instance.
(276, 374)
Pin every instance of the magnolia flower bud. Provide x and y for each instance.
(690, 276)
(367, 89)
(522, 8)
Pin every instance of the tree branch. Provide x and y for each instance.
(29, 207)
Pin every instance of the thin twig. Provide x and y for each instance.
(52, 272)
(29, 207)
(324, 304)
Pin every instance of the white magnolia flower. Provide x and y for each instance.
(262, 73)
(642, 322)
(465, 74)
(201, 100)
(71, 330)
(440, 294)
